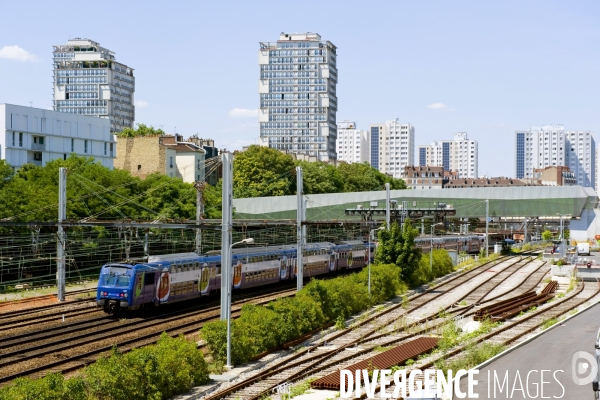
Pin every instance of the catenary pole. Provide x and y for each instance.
(487, 222)
(226, 233)
(199, 213)
(60, 244)
(387, 206)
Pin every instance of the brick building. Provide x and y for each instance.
(168, 155)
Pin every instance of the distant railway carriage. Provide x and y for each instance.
(462, 243)
(176, 277)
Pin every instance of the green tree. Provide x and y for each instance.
(141, 130)
(320, 177)
(261, 171)
(358, 177)
(546, 235)
(397, 246)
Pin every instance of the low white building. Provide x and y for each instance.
(352, 143)
(36, 136)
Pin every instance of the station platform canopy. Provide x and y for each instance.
(522, 201)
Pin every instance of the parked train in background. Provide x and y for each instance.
(176, 277)
(461, 243)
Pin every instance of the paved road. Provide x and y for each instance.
(552, 351)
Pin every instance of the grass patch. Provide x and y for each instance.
(549, 322)
(572, 284)
(381, 349)
(473, 356)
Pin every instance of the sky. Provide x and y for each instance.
(485, 68)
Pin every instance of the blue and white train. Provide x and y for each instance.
(176, 277)
(172, 278)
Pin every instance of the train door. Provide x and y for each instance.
(138, 288)
(149, 287)
(332, 262)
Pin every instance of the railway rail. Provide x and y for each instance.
(68, 347)
(511, 331)
(311, 359)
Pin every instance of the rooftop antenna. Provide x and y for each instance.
(31, 104)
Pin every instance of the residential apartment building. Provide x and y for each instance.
(460, 154)
(424, 177)
(36, 136)
(552, 145)
(352, 143)
(169, 155)
(392, 147)
(298, 101)
(214, 171)
(89, 81)
(553, 176)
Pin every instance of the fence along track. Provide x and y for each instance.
(299, 363)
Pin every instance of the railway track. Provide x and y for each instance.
(331, 347)
(505, 334)
(71, 346)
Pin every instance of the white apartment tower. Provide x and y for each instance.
(551, 145)
(392, 147)
(89, 81)
(297, 87)
(352, 143)
(460, 155)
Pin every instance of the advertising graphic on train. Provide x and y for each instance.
(164, 286)
(139, 284)
(237, 275)
(204, 275)
(283, 269)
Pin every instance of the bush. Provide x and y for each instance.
(158, 371)
(262, 328)
(442, 265)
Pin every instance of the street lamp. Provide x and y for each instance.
(369, 250)
(431, 249)
(229, 283)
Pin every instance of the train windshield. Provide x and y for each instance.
(115, 276)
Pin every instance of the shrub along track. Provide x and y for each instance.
(310, 359)
(71, 346)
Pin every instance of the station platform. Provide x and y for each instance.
(553, 352)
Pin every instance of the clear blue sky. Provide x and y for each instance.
(495, 66)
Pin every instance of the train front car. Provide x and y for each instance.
(114, 288)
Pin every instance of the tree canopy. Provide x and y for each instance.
(141, 130)
(262, 171)
(92, 190)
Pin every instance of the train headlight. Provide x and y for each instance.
(125, 294)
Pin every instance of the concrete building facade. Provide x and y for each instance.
(36, 136)
(552, 145)
(298, 100)
(352, 143)
(424, 177)
(89, 81)
(460, 154)
(392, 147)
(168, 155)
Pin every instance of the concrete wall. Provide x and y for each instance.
(587, 226)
